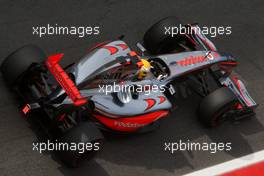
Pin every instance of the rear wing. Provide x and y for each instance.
(64, 80)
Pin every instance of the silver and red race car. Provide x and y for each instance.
(108, 90)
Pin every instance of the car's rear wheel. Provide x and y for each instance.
(18, 62)
(214, 107)
(85, 134)
(158, 41)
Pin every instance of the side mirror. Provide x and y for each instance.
(141, 47)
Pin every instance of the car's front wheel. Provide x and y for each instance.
(213, 108)
(159, 40)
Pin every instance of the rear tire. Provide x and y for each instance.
(85, 133)
(215, 105)
(157, 42)
(18, 62)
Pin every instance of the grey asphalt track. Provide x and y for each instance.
(140, 154)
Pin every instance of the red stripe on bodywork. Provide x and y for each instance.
(190, 38)
(123, 46)
(229, 63)
(98, 45)
(162, 99)
(235, 79)
(112, 49)
(63, 79)
(130, 124)
(207, 43)
(151, 102)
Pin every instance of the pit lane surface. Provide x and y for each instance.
(139, 154)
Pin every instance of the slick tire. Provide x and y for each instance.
(213, 107)
(18, 62)
(157, 42)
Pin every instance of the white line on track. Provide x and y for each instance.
(230, 165)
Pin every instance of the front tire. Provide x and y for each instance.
(215, 105)
(157, 42)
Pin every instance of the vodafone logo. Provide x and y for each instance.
(128, 125)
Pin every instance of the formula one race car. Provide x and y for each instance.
(112, 88)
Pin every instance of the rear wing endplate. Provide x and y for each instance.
(64, 80)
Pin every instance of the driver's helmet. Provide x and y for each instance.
(144, 69)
